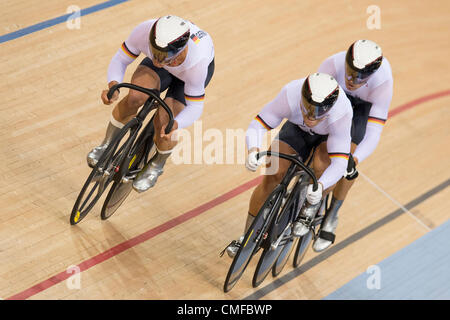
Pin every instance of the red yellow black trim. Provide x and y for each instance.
(263, 123)
(128, 52)
(194, 98)
(195, 39)
(338, 155)
(377, 120)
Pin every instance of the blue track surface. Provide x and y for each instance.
(419, 271)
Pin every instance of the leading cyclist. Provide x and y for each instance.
(180, 59)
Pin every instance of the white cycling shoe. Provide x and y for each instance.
(234, 246)
(95, 154)
(147, 178)
(326, 235)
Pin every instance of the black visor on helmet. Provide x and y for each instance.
(313, 109)
(356, 75)
(166, 54)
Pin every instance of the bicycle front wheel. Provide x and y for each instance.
(102, 174)
(253, 238)
(270, 255)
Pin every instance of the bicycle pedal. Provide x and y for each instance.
(232, 243)
(128, 179)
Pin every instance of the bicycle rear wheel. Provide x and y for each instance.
(290, 245)
(283, 257)
(266, 262)
(102, 174)
(135, 161)
(252, 240)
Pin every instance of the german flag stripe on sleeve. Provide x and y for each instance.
(195, 98)
(128, 52)
(195, 39)
(338, 155)
(377, 120)
(263, 123)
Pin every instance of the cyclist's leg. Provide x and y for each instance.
(319, 142)
(330, 221)
(270, 181)
(175, 100)
(126, 108)
(162, 119)
(263, 190)
(290, 140)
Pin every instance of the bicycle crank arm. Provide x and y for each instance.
(277, 243)
(131, 176)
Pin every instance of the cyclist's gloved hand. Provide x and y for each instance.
(251, 162)
(115, 96)
(314, 197)
(351, 172)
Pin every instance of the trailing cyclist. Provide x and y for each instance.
(366, 77)
(317, 112)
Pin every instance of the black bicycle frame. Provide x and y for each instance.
(140, 118)
(153, 93)
(293, 168)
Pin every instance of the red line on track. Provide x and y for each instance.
(416, 102)
(137, 240)
(180, 219)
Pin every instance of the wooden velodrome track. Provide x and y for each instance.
(165, 244)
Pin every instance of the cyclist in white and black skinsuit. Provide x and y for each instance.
(180, 59)
(318, 111)
(366, 77)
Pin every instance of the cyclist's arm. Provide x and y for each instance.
(127, 53)
(194, 94)
(381, 97)
(338, 147)
(270, 117)
(328, 67)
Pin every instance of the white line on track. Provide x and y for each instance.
(395, 201)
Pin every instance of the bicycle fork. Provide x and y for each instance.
(282, 236)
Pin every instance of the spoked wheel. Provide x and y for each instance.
(101, 176)
(252, 240)
(120, 188)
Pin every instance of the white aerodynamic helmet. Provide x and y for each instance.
(169, 35)
(319, 93)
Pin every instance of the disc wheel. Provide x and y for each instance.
(270, 255)
(120, 190)
(302, 247)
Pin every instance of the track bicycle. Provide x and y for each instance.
(122, 160)
(271, 228)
